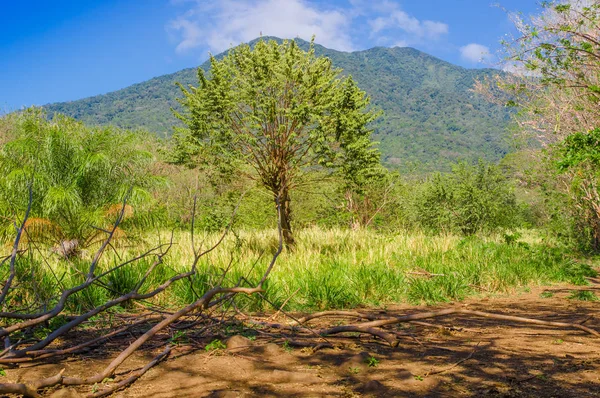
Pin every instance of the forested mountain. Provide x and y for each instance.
(430, 119)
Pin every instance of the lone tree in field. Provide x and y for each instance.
(276, 112)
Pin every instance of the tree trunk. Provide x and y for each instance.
(286, 219)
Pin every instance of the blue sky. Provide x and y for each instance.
(61, 50)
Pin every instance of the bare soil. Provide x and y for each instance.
(482, 358)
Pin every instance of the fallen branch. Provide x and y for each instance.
(375, 323)
(351, 314)
(443, 327)
(15, 250)
(283, 305)
(45, 354)
(425, 273)
(35, 350)
(455, 364)
(389, 338)
(453, 311)
(30, 391)
(136, 375)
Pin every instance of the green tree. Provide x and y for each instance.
(78, 176)
(471, 199)
(556, 85)
(277, 113)
(578, 156)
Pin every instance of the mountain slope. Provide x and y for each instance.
(431, 118)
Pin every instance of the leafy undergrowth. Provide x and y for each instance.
(328, 269)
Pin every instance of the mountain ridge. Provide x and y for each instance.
(431, 118)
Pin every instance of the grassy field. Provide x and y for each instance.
(328, 269)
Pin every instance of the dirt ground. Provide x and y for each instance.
(484, 358)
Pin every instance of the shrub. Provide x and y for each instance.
(471, 199)
(78, 176)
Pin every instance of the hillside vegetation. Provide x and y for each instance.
(431, 118)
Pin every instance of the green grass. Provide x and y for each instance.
(329, 269)
(584, 295)
(215, 345)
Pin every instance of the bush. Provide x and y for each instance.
(78, 175)
(578, 159)
(471, 199)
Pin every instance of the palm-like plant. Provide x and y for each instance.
(76, 174)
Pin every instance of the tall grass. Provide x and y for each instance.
(329, 269)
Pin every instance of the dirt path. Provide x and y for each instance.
(486, 358)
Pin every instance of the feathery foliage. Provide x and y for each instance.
(75, 173)
(283, 113)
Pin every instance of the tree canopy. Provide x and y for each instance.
(277, 113)
(556, 85)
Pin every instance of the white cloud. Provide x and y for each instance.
(401, 43)
(476, 53)
(399, 19)
(218, 25)
(233, 22)
(190, 34)
(435, 29)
